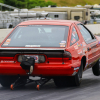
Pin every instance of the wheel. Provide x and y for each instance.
(96, 68)
(11, 87)
(60, 81)
(38, 87)
(7, 80)
(20, 82)
(76, 80)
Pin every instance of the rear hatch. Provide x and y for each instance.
(46, 42)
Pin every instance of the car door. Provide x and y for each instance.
(92, 43)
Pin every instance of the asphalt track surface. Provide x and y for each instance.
(89, 90)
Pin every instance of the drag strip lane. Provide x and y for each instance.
(90, 88)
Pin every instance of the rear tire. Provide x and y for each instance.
(76, 80)
(60, 81)
(6, 81)
(70, 80)
(96, 68)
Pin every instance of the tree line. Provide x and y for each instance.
(27, 3)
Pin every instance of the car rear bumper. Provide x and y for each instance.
(40, 70)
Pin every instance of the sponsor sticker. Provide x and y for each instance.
(84, 50)
(76, 68)
(6, 61)
(86, 65)
(32, 45)
(62, 44)
(79, 45)
(79, 51)
(83, 44)
(74, 40)
(73, 34)
(63, 41)
(8, 40)
(76, 47)
(5, 43)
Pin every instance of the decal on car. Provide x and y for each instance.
(86, 65)
(63, 41)
(74, 40)
(62, 44)
(5, 43)
(76, 47)
(32, 45)
(84, 50)
(73, 34)
(79, 45)
(6, 61)
(8, 40)
(79, 51)
(83, 44)
(76, 68)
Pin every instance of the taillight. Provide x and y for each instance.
(41, 58)
(20, 58)
(67, 54)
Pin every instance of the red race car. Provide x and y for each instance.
(51, 49)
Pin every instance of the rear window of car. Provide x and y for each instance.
(38, 36)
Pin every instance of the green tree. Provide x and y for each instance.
(16, 3)
(1, 1)
(41, 3)
(27, 3)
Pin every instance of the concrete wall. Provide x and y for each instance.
(94, 28)
(4, 33)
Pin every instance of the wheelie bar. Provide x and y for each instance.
(41, 82)
(21, 81)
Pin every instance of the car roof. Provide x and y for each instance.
(49, 22)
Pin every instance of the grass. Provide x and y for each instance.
(74, 2)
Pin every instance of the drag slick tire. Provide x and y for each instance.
(96, 68)
(60, 81)
(6, 81)
(70, 80)
(76, 80)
